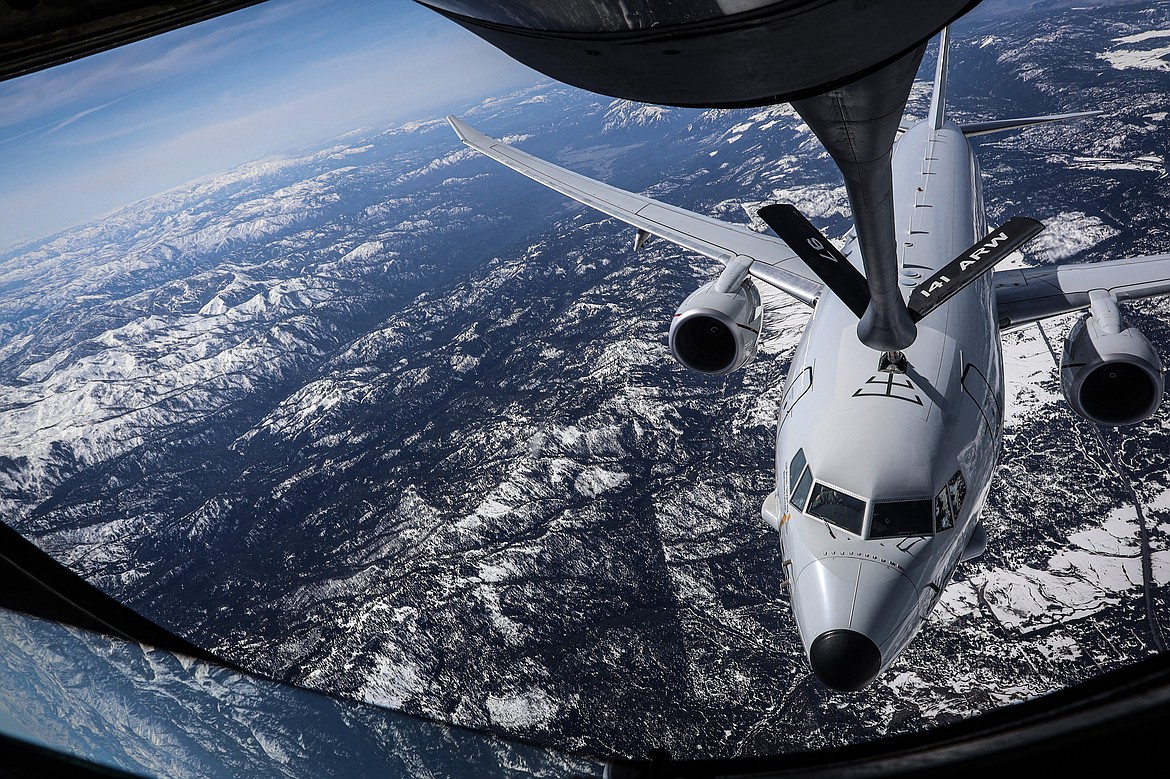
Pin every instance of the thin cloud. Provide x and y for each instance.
(79, 115)
(149, 63)
(104, 131)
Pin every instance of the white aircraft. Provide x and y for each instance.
(884, 459)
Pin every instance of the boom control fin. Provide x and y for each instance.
(970, 265)
(819, 254)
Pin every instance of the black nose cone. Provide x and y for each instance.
(844, 659)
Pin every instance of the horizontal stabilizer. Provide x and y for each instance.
(1004, 125)
(971, 264)
(819, 254)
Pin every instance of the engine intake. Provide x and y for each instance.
(717, 332)
(1110, 374)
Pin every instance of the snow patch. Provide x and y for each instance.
(819, 201)
(1076, 584)
(626, 113)
(595, 480)
(1124, 58)
(526, 710)
(392, 682)
(1030, 379)
(1070, 233)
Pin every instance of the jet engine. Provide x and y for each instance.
(1109, 372)
(716, 331)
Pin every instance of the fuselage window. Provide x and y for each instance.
(835, 507)
(902, 518)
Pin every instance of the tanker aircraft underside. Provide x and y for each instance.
(886, 448)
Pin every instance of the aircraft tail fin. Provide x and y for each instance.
(938, 98)
(1004, 125)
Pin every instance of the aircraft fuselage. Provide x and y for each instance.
(881, 475)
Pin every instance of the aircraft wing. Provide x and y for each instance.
(1030, 294)
(773, 262)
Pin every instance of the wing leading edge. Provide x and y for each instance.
(771, 261)
(1031, 294)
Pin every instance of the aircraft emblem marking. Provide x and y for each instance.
(889, 385)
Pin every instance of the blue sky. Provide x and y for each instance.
(86, 137)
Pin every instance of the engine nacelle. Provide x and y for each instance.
(717, 332)
(1109, 372)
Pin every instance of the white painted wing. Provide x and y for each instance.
(773, 262)
(1031, 294)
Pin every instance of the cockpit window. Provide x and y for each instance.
(799, 480)
(835, 507)
(957, 492)
(796, 467)
(942, 511)
(902, 518)
(949, 501)
(801, 491)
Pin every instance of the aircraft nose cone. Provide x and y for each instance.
(844, 659)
